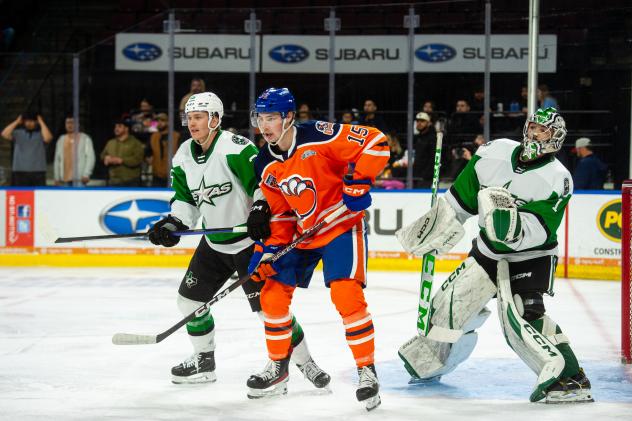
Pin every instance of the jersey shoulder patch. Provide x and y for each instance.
(239, 140)
(316, 131)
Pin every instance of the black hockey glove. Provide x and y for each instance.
(160, 233)
(258, 222)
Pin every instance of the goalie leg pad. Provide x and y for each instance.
(533, 347)
(458, 309)
(437, 230)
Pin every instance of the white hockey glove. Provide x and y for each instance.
(437, 230)
(498, 215)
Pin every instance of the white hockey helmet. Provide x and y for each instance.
(205, 102)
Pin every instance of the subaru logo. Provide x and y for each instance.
(289, 53)
(435, 53)
(142, 51)
(133, 215)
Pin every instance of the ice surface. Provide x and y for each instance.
(57, 360)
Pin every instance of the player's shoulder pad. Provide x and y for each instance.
(497, 148)
(316, 131)
(183, 152)
(263, 158)
(232, 143)
(561, 179)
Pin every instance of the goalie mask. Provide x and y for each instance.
(536, 144)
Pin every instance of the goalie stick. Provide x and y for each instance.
(428, 263)
(144, 234)
(134, 339)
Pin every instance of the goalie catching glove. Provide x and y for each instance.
(498, 215)
(438, 230)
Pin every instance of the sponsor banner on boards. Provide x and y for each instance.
(192, 52)
(352, 53)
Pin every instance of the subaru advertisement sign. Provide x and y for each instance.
(142, 51)
(435, 53)
(289, 53)
(126, 216)
(353, 54)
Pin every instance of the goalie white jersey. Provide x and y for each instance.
(217, 185)
(541, 190)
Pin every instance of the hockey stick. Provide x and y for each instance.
(428, 265)
(134, 339)
(144, 234)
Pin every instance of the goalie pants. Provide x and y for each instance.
(344, 267)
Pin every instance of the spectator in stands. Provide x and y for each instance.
(144, 121)
(347, 117)
(393, 175)
(590, 173)
(545, 99)
(303, 113)
(428, 107)
(197, 86)
(524, 99)
(64, 164)
(371, 118)
(478, 99)
(29, 134)
(123, 155)
(463, 123)
(158, 156)
(424, 143)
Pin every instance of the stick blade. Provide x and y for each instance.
(133, 339)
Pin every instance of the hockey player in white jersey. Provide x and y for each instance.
(519, 192)
(213, 177)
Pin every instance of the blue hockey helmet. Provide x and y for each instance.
(275, 100)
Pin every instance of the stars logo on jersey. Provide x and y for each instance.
(189, 280)
(239, 140)
(206, 194)
(300, 194)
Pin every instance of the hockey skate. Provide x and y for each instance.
(315, 374)
(368, 387)
(198, 368)
(570, 390)
(272, 381)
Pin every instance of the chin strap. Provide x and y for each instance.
(282, 133)
(211, 131)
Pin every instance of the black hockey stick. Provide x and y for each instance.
(134, 339)
(144, 234)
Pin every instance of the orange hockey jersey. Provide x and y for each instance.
(304, 184)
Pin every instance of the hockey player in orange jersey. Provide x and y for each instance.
(307, 171)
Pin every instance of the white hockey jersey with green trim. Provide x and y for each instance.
(217, 185)
(541, 189)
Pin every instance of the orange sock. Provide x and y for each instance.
(275, 304)
(348, 297)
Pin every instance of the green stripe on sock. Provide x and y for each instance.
(204, 323)
(297, 332)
